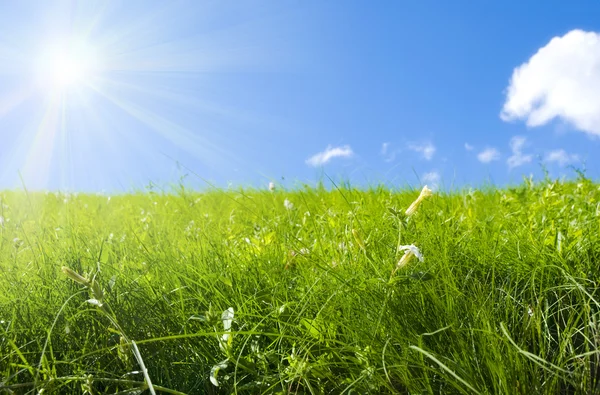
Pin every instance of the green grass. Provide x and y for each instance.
(505, 302)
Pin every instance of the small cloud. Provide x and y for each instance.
(427, 149)
(432, 179)
(388, 152)
(517, 143)
(469, 147)
(384, 148)
(562, 80)
(561, 157)
(331, 152)
(518, 158)
(488, 155)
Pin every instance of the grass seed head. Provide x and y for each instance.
(97, 290)
(358, 238)
(75, 276)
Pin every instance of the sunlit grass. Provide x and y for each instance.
(302, 291)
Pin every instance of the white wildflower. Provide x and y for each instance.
(271, 186)
(410, 251)
(288, 205)
(189, 227)
(227, 318)
(214, 371)
(426, 192)
(1, 220)
(530, 311)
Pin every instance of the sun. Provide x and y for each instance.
(62, 67)
(66, 70)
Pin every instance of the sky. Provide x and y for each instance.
(114, 96)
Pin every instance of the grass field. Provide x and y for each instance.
(300, 292)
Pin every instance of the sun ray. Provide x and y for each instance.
(192, 103)
(183, 138)
(38, 161)
(14, 99)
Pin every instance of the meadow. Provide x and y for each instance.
(302, 291)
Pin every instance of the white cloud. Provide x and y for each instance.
(384, 148)
(388, 152)
(432, 179)
(517, 143)
(562, 80)
(518, 158)
(561, 157)
(488, 155)
(469, 147)
(331, 152)
(427, 149)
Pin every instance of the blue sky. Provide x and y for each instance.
(110, 96)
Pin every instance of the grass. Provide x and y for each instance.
(178, 293)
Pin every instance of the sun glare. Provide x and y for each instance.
(65, 71)
(62, 68)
